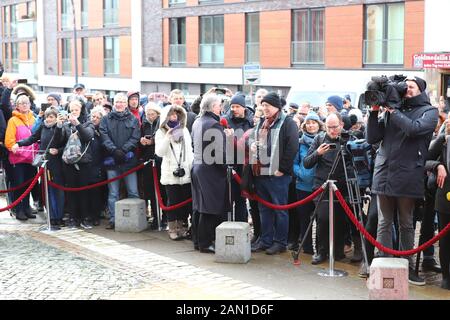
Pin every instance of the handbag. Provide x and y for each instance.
(72, 151)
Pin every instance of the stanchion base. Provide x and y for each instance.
(332, 273)
(46, 229)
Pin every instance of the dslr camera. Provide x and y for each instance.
(179, 172)
(384, 91)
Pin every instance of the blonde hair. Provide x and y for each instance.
(75, 102)
(22, 99)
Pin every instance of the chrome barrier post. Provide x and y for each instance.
(331, 271)
(48, 228)
(158, 209)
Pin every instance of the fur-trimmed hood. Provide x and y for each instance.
(24, 89)
(182, 116)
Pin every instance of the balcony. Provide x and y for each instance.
(252, 52)
(387, 51)
(66, 66)
(307, 52)
(26, 28)
(212, 53)
(111, 17)
(28, 70)
(177, 53)
(112, 67)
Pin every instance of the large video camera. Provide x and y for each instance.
(386, 92)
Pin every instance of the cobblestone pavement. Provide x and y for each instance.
(73, 264)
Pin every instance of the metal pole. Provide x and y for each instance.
(75, 44)
(158, 209)
(331, 272)
(47, 202)
(229, 194)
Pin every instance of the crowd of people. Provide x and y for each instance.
(283, 153)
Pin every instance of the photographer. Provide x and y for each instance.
(174, 145)
(405, 130)
(323, 153)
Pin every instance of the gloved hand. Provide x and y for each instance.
(119, 156)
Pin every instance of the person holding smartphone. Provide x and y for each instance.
(322, 154)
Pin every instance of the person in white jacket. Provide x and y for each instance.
(173, 144)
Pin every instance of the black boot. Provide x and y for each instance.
(29, 213)
(21, 216)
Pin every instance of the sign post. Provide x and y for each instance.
(251, 75)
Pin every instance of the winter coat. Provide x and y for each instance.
(97, 172)
(304, 177)
(240, 127)
(19, 128)
(85, 133)
(120, 130)
(438, 155)
(209, 181)
(282, 144)
(405, 135)
(170, 159)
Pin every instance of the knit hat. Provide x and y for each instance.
(55, 96)
(153, 106)
(273, 99)
(144, 100)
(422, 84)
(238, 99)
(337, 102)
(312, 116)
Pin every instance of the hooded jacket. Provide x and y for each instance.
(171, 158)
(405, 135)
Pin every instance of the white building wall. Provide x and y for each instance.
(437, 38)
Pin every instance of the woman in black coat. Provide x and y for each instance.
(209, 176)
(77, 174)
(438, 164)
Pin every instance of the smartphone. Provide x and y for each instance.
(45, 106)
(24, 81)
(64, 113)
(148, 137)
(222, 91)
(332, 146)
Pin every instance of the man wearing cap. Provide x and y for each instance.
(405, 134)
(293, 109)
(79, 91)
(273, 149)
(133, 105)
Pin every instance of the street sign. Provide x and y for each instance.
(251, 74)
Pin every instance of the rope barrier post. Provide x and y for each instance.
(158, 209)
(332, 272)
(47, 228)
(231, 213)
(4, 185)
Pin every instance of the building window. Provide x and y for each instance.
(308, 36)
(211, 40)
(66, 15)
(384, 34)
(31, 10)
(85, 56)
(252, 37)
(110, 13)
(177, 40)
(29, 51)
(66, 57)
(84, 14)
(175, 3)
(7, 61)
(209, 1)
(5, 20)
(15, 57)
(13, 18)
(112, 56)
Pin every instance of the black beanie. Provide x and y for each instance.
(273, 99)
(422, 84)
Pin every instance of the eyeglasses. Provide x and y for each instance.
(302, 114)
(333, 127)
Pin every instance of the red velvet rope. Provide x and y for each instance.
(99, 184)
(367, 235)
(33, 183)
(160, 200)
(302, 202)
(18, 187)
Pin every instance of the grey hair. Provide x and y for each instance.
(99, 110)
(208, 102)
(120, 96)
(22, 99)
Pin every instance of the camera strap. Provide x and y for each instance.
(181, 153)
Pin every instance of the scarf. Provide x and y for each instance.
(262, 140)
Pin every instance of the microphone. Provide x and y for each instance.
(224, 123)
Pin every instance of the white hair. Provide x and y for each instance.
(208, 101)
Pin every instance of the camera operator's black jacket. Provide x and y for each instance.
(405, 136)
(325, 163)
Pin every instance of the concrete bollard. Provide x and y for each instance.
(130, 216)
(233, 242)
(388, 279)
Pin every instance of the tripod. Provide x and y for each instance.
(353, 190)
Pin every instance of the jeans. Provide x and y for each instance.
(274, 223)
(386, 211)
(113, 196)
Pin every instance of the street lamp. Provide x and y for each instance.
(75, 44)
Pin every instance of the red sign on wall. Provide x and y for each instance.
(431, 60)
